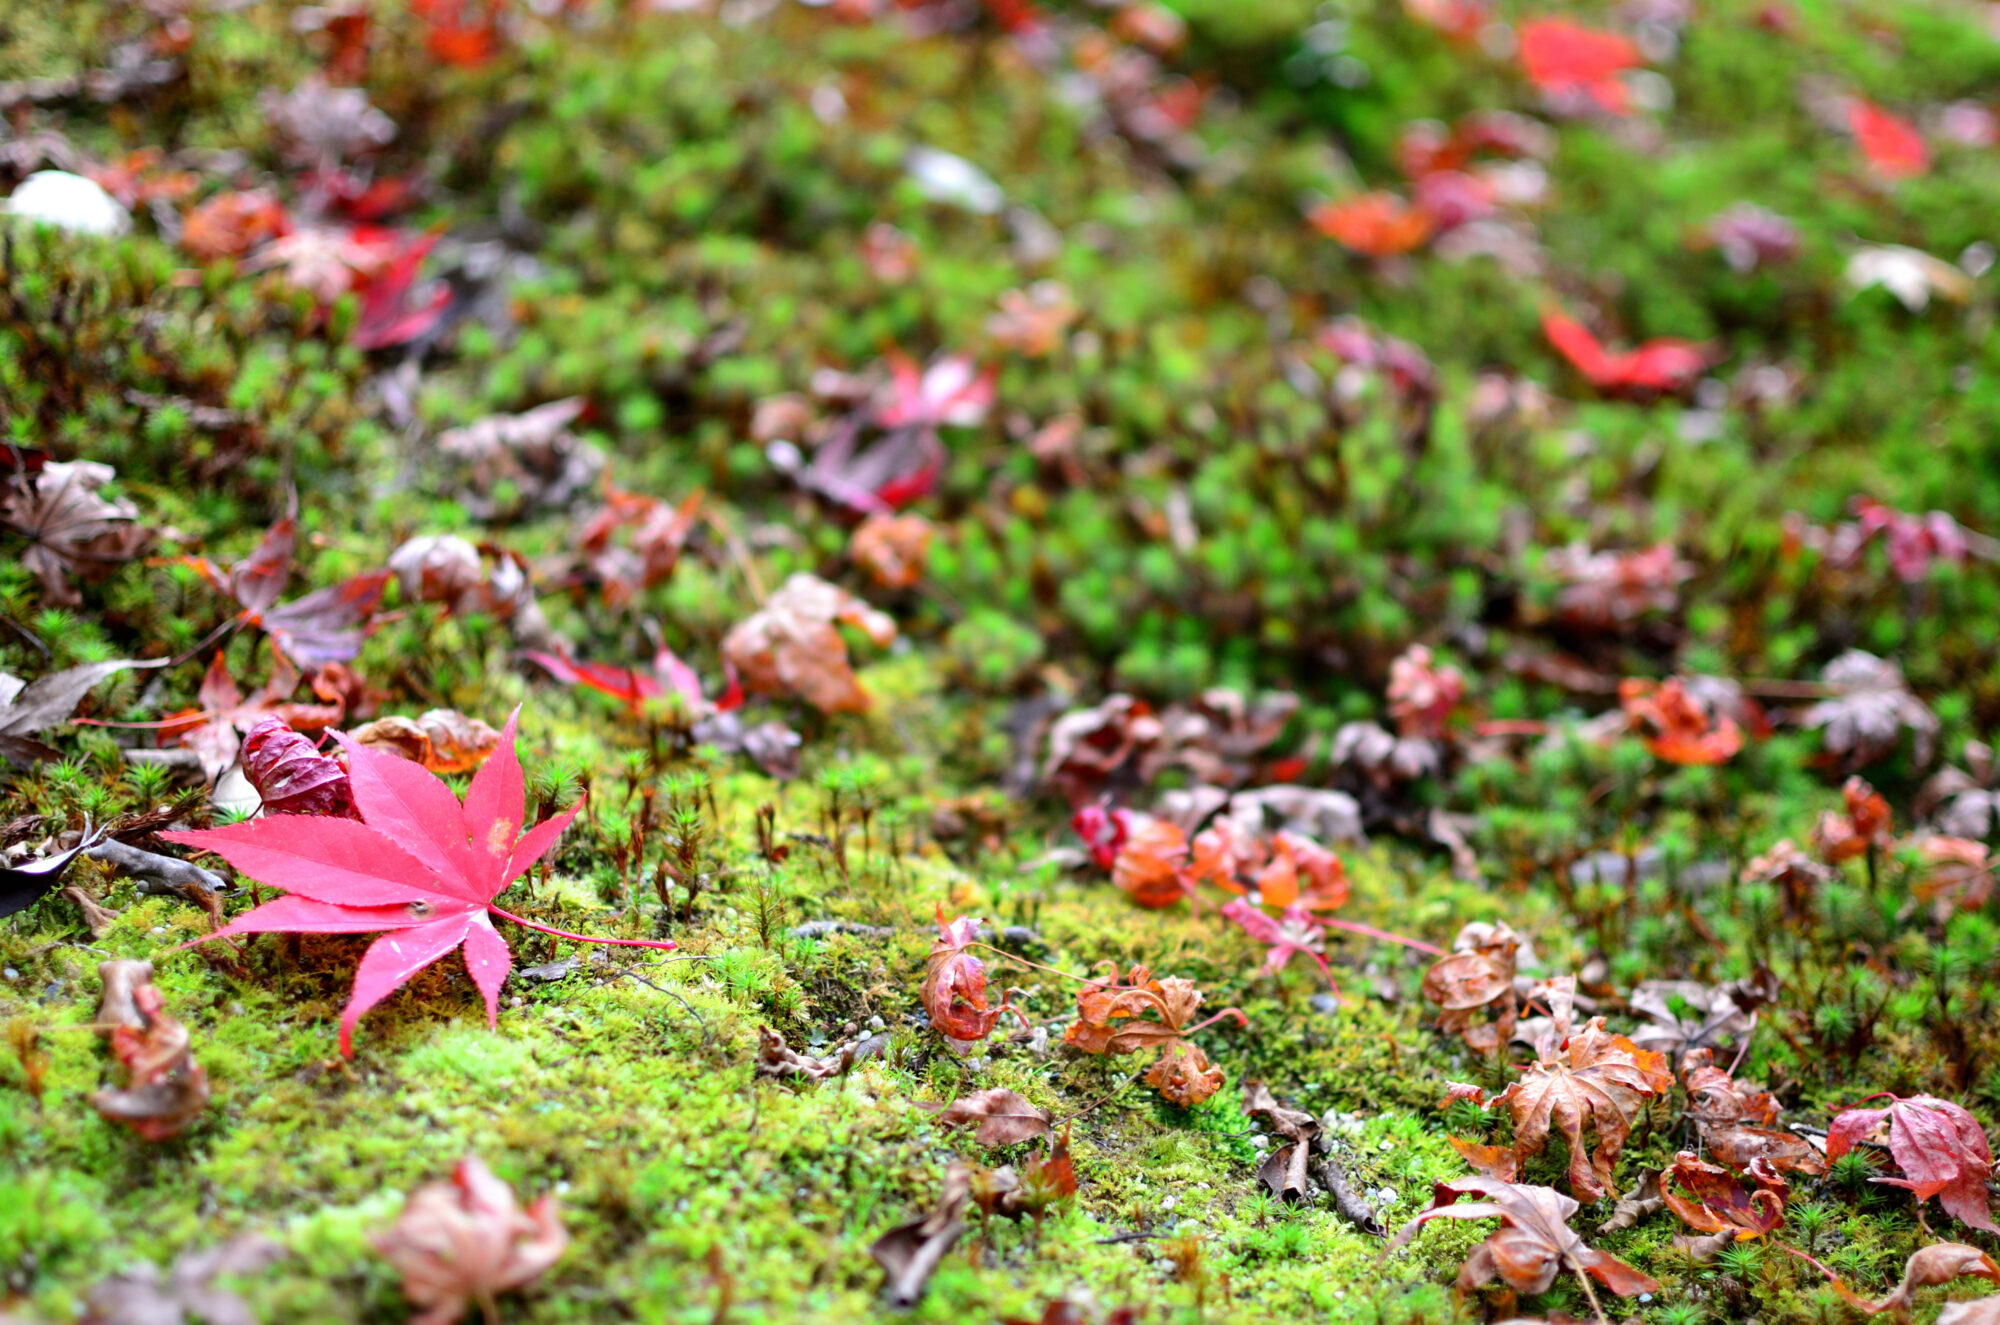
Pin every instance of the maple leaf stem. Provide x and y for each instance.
(664, 945)
(1237, 1013)
(1002, 952)
(1354, 927)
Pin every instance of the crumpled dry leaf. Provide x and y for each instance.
(1591, 1077)
(656, 533)
(1792, 870)
(1183, 1075)
(534, 452)
(776, 1059)
(1715, 1014)
(790, 645)
(442, 740)
(1864, 827)
(910, 1254)
(1735, 1120)
(1644, 1199)
(1534, 1244)
(1715, 1203)
(1957, 875)
(215, 731)
(1607, 591)
(447, 569)
(1965, 802)
(1004, 1117)
(1675, 725)
(138, 1296)
(467, 1241)
(1152, 866)
(72, 532)
(165, 1089)
(1497, 1162)
(1383, 757)
(954, 991)
(1477, 976)
(291, 776)
(1939, 1263)
(1142, 1013)
(1284, 1172)
(892, 549)
(1871, 704)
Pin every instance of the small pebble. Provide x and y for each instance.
(517, 1001)
(877, 1024)
(1386, 1144)
(11, 973)
(157, 929)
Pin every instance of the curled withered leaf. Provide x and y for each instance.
(442, 740)
(790, 646)
(165, 1089)
(954, 991)
(188, 1292)
(1980, 1311)
(1183, 1075)
(1152, 866)
(1685, 1014)
(467, 1241)
(1004, 1117)
(545, 464)
(73, 533)
(1644, 1199)
(892, 549)
(1864, 826)
(1284, 1172)
(1871, 705)
(1591, 1078)
(1939, 1263)
(1143, 1013)
(1534, 1244)
(1675, 725)
(447, 569)
(776, 1059)
(910, 1254)
(1478, 976)
(1709, 1199)
(1735, 1120)
(291, 775)
(121, 979)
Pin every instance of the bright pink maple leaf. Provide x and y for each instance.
(1562, 57)
(1892, 145)
(418, 867)
(1296, 931)
(1656, 366)
(1940, 1148)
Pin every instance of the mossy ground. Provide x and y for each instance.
(676, 190)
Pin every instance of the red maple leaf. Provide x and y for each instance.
(954, 991)
(634, 688)
(418, 867)
(1893, 147)
(322, 627)
(1656, 366)
(1563, 57)
(1940, 1148)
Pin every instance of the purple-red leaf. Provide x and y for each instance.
(1941, 1149)
(291, 775)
